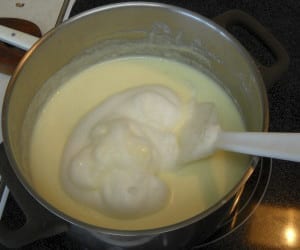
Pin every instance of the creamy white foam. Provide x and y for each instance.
(113, 156)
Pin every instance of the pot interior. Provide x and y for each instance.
(113, 32)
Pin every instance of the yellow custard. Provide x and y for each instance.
(193, 188)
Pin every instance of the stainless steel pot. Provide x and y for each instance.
(124, 29)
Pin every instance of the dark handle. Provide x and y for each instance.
(271, 73)
(40, 223)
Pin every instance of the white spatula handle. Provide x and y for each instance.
(17, 38)
(285, 146)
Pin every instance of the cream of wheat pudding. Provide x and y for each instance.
(114, 146)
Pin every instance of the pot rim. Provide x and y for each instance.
(182, 11)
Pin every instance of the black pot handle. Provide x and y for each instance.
(40, 223)
(271, 73)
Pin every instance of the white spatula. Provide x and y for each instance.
(285, 146)
(202, 136)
